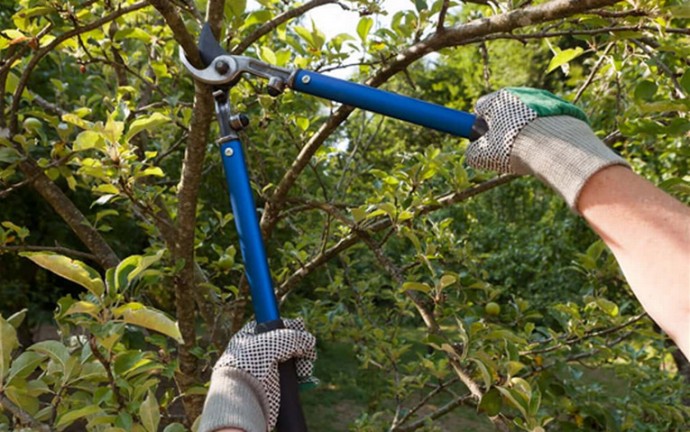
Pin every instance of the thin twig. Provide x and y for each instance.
(680, 92)
(588, 335)
(56, 249)
(275, 22)
(594, 72)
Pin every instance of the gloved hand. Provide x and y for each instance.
(532, 131)
(245, 384)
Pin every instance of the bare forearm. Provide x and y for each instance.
(649, 233)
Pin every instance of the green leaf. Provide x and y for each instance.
(73, 415)
(87, 140)
(53, 349)
(678, 12)
(138, 314)
(17, 318)
(153, 171)
(145, 123)
(83, 307)
(304, 34)
(70, 269)
(302, 122)
(175, 427)
(564, 57)
(236, 7)
(446, 280)
(9, 155)
(514, 400)
(685, 81)
(491, 402)
(8, 343)
(258, 17)
(132, 266)
(266, 54)
(364, 27)
(416, 286)
(149, 412)
(24, 365)
(133, 33)
(358, 214)
(609, 307)
(486, 374)
(106, 188)
(646, 90)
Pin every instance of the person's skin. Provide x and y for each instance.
(649, 233)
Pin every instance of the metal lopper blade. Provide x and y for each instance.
(209, 48)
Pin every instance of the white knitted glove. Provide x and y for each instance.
(532, 131)
(253, 359)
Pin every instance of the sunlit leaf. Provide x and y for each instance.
(70, 269)
(363, 27)
(138, 314)
(564, 57)
(145, 123)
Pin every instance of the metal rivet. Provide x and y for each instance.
(306, 79)
(222, 67)
(229, 152)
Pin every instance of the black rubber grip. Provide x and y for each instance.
(290, 416)
(479, 128)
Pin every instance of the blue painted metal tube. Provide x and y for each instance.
(247, 223)
(412, 110)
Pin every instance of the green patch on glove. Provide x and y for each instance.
(546, 104)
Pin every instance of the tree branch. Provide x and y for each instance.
(445, 409)
(69, 212)
(381, 224)
(23, 416)
(275, 22)
(594, 72)
(461, 35)
(42, 52)
(57, 249)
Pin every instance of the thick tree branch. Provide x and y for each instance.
(179, 30)
(69, 212)
(502, 23)
(185, 281)
(215, 12)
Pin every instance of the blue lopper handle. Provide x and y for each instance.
(454, 122)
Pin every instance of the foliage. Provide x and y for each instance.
(377, 233)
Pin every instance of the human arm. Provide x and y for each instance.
(534, 132)
(244, 394)
(648, 231)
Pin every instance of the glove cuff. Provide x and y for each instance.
(563, 152)
(235, 400)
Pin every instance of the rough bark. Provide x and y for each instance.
(76, 220)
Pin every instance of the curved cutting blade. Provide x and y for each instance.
(209, 48)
